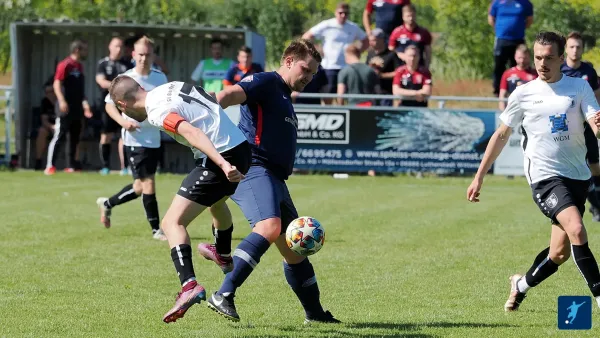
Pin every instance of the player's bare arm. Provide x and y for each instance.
(114, 114)
(594, 123)
(87, 111)
(198, 139)
(62, 103)
(230, 96)
(102, 81)
(494, 148)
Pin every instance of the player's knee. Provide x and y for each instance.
(269, 228)
(147, 185)
(138, 187)
(576, 232)
(560, 256)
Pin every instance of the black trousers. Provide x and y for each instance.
(68, 129)
(504, 52)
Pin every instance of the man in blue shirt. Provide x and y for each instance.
(575, 67)
(509, 18)
(269, 122)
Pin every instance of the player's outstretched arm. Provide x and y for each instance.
(114, 114)
(198, 139)
(493, 150)
(231, 96)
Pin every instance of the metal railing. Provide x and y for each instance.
(441, 99)
(8, 121)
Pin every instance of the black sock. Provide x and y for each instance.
(125, 195)
(542, 268)
(151, 207)
(586, 263)
(105, 155)
(223, 240)
(182, 259)
(38, 164)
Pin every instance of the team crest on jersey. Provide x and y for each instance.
(559, 123)
(248, 78)
(551, 201)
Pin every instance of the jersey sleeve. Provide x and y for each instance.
(426, 37)
(343, 76)
(493, 9)
(393, 38)
(256, 86)
(360, 34)
(197, 73)
(427, 78)
(397, 78)
(589, 104)
(512, 116)
(317, 30)
(504, 80)
(165, 117)
(369, 6)
(101, 68)
(61, 71)
(594, 80)
(228, 80)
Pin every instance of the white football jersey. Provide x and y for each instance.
(196, 107)
(146, 135)
(553, 117)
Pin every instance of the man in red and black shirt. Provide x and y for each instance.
(517, 75)
(69, 87)
(411, 34)
(388, 15)
(412, 80)
(244, 67)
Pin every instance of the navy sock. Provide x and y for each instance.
(301, 277)
(125, 195)
(182, 259)
(542, 268)
(151, 207)
(245, 258)
(586, 263)
(594, 193)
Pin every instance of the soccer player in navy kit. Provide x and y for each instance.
(575, 67)
(270, 125)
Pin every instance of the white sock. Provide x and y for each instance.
(522, 285)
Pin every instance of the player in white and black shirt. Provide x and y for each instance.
(552, 110)
(108, 68)
(142, 145)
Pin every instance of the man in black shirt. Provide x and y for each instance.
(383, 61)
(109, 68)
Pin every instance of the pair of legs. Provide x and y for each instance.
(67, 129)
(105, 150)
(266, 203)
(504, 52)
(143, 164)
(205, 186)
(563, 201)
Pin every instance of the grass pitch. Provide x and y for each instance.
(403, 257)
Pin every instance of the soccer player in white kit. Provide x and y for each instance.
(552, 110)
(142, 144)
(195, 119)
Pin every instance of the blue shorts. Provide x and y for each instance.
(261, 195)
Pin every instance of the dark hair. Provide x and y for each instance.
(411, 7)
(343, 5)
(300, 49)
(576, 36)
(546, 38)
(245, 49)
(216, 40)
(77, 45)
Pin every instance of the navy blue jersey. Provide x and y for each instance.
(585, 71)
(269, 122)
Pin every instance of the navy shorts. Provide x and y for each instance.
(332, 81)
(261, 195)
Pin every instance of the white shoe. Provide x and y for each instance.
(160, 235)
(104, 211)
(515, 297)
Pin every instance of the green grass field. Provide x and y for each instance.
(404, 257)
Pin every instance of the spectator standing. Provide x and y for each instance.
(383, 61)
(509, 18)
(412, 80)
(242, 68)
(410, 33)
(336, 34)
(356, 78)
(517, 75)
(69, 88)
(211, 72)
(388, 15)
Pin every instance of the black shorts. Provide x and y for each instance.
(109, 125)
(143, 161)
(591, 143)
(332, 81)
(207, 183)
(555, 194)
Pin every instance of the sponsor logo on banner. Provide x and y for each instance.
(323, 126)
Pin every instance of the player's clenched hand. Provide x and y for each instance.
(473, 191)
(64, 108)
(233, 175)
(130, 125)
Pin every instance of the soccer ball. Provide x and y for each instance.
(305, 236)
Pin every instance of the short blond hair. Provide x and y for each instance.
(144, 40)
